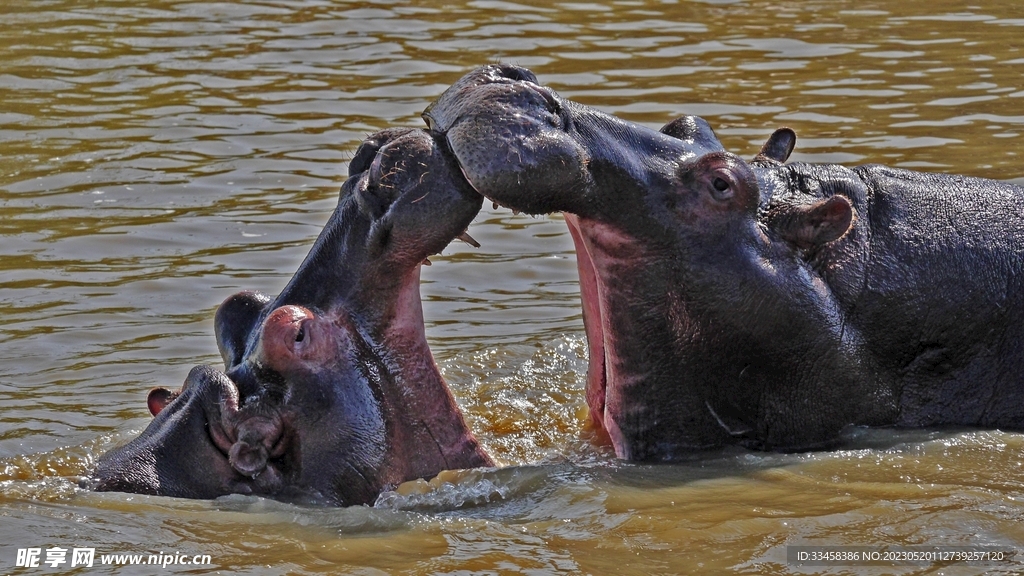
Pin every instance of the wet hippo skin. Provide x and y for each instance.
(763, 304)
(330, 393)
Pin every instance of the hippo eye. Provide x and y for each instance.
(301, 334)
(722, 190)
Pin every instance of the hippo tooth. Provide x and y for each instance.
(465, 237)
(426, 262)
(495, 205)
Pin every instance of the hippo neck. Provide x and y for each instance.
(729, 368)
(423, 413)
(616, 269)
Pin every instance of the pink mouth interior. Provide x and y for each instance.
(593, 323)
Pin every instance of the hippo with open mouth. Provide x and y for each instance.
(330, 393)
(760, 304)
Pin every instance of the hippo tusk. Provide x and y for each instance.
(465, 237)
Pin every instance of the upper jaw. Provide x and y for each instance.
(405, 200)
(521, 145)
(511, 139)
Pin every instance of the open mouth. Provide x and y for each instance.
(517, 89)
(593, 323)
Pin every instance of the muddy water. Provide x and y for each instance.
(156, 156)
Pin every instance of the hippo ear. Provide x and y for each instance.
(777, 147)
(810, 225)
(691, 129)
(158, 399)
(234, 321)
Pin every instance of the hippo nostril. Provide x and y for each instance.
(363, 157)
(256, 435)
(517, 73)
(552, 103)
(248, 459)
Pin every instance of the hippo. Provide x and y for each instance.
(764, 304)
(329, 393)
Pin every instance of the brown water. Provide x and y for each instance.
(157, 156)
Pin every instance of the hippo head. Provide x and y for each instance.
(692, 305)
(329, 392)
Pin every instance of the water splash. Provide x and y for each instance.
(450, 490)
